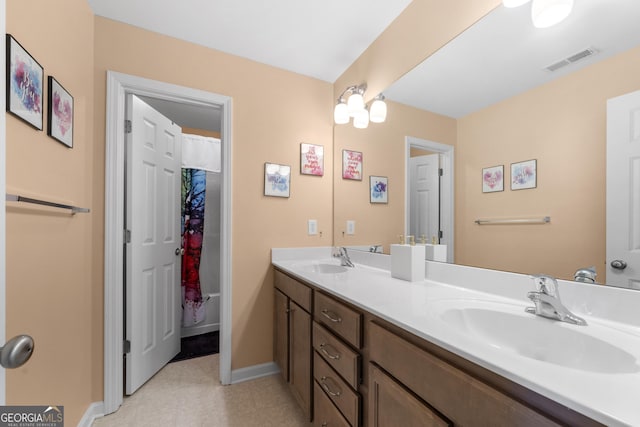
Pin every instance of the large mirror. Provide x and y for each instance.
(500, 94)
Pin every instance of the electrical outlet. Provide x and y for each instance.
(312, 227)
(351, 227)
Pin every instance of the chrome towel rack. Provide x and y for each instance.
(18, 198)
(543, 220)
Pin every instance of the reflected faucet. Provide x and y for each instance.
(341, 253)
(547, 301)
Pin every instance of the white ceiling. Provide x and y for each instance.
(318, 39)
(503, 55)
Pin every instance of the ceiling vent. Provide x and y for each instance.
(578, 56)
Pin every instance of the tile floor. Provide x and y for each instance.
(189, 393)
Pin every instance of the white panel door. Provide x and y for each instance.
(153, 254)
(424, 194)
(623, 191)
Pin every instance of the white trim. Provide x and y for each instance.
(447, 190)
(3, 183)
(118, 85)
(95, 410)
(254, 372)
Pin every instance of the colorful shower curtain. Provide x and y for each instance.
(193, 197)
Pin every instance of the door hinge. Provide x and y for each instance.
(127, 236)
(440, 234)
(126, 346)
(127, 126)
(441, 172)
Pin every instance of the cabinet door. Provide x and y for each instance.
(390, 405)
(281, 344)
(300, 356)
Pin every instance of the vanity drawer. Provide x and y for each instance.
(339, 318)
(338, 355)
(347, 400)
(295, 290)
(325, 413)
(457, 395)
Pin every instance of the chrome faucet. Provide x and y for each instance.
(547, 301)
(341, 253)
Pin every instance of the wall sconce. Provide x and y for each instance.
(545, 13)
(354, 106)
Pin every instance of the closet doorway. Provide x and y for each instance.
(184, 101)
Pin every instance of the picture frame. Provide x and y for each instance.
(277, 180)
(378, 189)
(60, 111)
(352, 165)
(24, 84)
(524, 175)
(493, 179)
(311, 159)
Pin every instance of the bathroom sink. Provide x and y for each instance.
(508, 327)
(324, 268)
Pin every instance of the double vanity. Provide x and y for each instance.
(360, 348)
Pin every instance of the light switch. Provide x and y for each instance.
(312, 227)
(351, 227)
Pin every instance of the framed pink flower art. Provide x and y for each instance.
(493, 179)
(60, 113)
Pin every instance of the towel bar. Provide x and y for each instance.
(17, 198)
(543, 220)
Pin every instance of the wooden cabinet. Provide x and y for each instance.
(348, 367)
(292, 338)
(392, 405)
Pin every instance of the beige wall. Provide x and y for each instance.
(383, 148)
(273, 112)
(52, 283)
(419, 31)
(563, 125)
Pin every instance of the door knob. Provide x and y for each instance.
(618, 264)
(16, 351)
(179, 251)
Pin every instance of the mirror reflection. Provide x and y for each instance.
(501, 94)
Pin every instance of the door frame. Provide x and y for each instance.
(118, 86)
(3, 184)
(446, 187)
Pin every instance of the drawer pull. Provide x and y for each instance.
(334, 356)
(325, 386)
(331, 316)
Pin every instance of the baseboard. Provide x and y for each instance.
(95, 410)
(253, 372)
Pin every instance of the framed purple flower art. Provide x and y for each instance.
(24, 84)
(524, 175)
(60, 113)
(378, 189)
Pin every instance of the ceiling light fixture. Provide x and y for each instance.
(351, 104)
(544, 13)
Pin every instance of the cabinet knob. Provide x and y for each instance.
(331, 315)
(333, 355)
(327, 389)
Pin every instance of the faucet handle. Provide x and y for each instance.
(546, 284)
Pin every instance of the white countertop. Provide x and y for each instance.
(610, 398)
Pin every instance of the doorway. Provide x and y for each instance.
(445, 154)
(118, 87)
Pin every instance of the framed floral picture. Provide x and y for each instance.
(378, 189)
(352, 165)
(59, 113)
(493, 179)
(311, 159)
(524, 175)
(277, 180)
(24, 84)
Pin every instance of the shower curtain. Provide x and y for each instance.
(193, 197)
